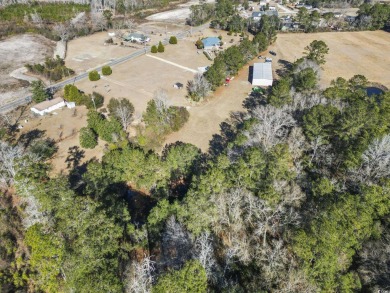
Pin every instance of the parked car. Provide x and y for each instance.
(268, 59)
(260, 57)
(272, 53)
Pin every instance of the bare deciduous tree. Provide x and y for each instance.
(64, 31)
(272, 127)
(198, 88)
(125, 115)
(130, 24)
(204, 252)
(176, 244)
(8, 159)
(140, 276)
(376, 160)
(98, 21)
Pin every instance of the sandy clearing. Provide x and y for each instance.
(179, 14)
(350, 53)
(15, 52)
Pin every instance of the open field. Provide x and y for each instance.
(15, 52)
(350, 53)
(86, 53)
(138, 79)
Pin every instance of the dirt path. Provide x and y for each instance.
(173, 64)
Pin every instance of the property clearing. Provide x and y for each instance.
(63, 126)
(350, 53)
(15, 52)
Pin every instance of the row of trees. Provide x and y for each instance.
(53, 69)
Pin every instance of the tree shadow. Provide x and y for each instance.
(27, 138)
(140, 205)
(285, 68)
(254, 100)
(219, 142)
(75, 155)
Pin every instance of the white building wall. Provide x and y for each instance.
(262, 82)
(48, 110)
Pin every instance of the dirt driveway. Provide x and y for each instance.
(350, 53)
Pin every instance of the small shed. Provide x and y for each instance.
(48, 106)
(262, 74)
(211, 42)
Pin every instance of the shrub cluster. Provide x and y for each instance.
(91, 101)
(88, 138)
(94, 75)
(53, 69)
(160, 48)
(173, 40)
(106, 70)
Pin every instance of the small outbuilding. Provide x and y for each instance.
(262, 74)
(211, 42)
(51, 105)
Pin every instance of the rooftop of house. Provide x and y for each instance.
(135, 36)
(47, 104)
(211, 41)
(262, 70)
(267, 12)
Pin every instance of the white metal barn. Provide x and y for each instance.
(262, 74)
(48, 106)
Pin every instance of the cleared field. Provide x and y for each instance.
(350, 53)
(63, 127)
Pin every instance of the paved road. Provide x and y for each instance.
(25, 100)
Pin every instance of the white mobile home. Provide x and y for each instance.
(48, 106)
(262, 74)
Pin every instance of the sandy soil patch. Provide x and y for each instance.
(180, 14)
(15, 52)
(64, 128)
(350, 53)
